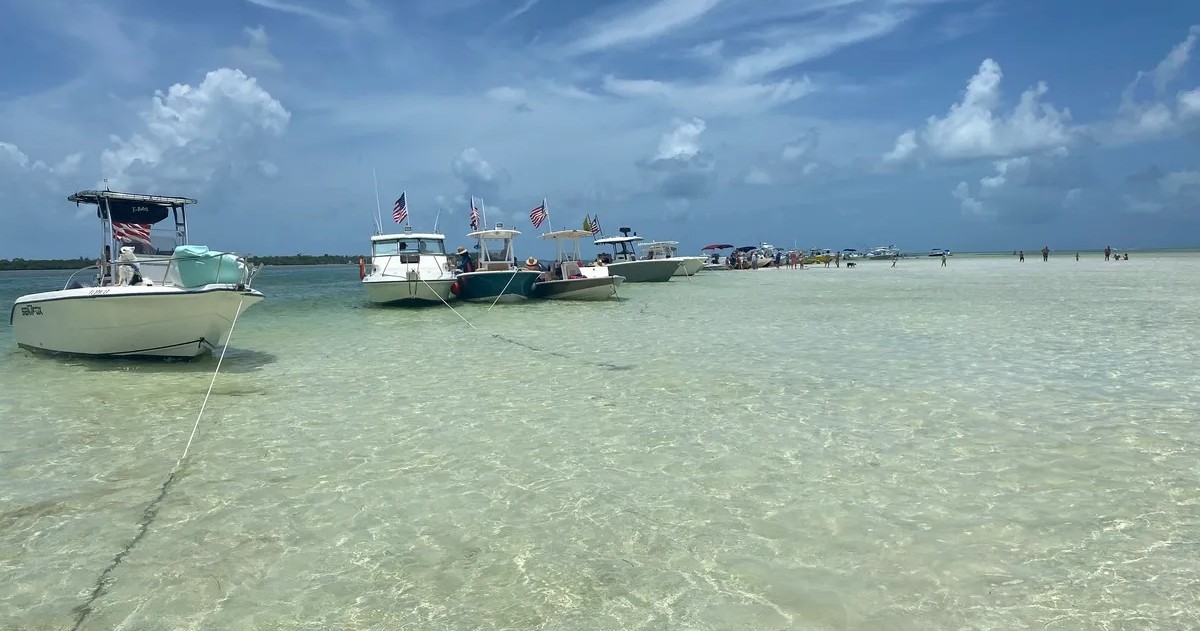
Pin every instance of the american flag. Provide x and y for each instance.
(400, 210)
(595, 227)
(538, 215)
(131, 231)
(474, 216)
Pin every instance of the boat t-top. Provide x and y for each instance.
(625, 262)
(713, 260)
(495, 276)
(569, 278)
(688, 265)
(178, 301)
(409, 268)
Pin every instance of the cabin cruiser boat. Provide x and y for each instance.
(625, 262)
(688, 265)
(883, 253)
(939, 252)
(569, 278)
(177, 302)
(496, 277)
(409, 268)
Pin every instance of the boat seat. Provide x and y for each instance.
(570, 269)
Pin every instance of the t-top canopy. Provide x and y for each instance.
(717, 246)
(567, 234)
(130, 207)
(608, 240)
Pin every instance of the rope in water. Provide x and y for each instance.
(83, 611)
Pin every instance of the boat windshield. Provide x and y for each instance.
(408, 246)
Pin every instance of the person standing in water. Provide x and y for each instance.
(1045, 253)
(1022, 256)
(943, 258)
(1077, 256)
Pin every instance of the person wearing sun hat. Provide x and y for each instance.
(465, 264)
(531, 263)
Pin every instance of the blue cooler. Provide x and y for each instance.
(199, 266)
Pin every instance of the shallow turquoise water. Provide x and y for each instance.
(992, 445)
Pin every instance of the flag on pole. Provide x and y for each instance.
(131, 231)
(595, 227)
(587, 224)
(538, 215)
(474, 215)
(400, 210)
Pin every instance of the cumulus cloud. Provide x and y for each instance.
(13, 160)
(801, 146)
(756, 176)
(1029, 187)
(256, 52)
(1162, 114)
(480, 178)
(196, 135)
(681, 170)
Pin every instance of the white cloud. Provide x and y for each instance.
(13, 155)
(801, 146)
(810, 168)
(647, 22)
(1072, 198)
(683, 142)
(13, 159)
(905, 147)
(757, 177)
(968, 204)
(1157, 117)
(256, 52)
(974, 128)
(362, 14)
(193, 135)
(681, 170)
(477, 174)
(713, 99)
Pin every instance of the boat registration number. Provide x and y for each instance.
(99, 291)
(31, 310)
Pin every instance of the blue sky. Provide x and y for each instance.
(968, 124)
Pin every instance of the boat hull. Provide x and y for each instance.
(129, 321)
(689, 265)
(409, 292)
(497, 286)
(645, 271)
(599, 288)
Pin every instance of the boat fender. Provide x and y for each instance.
(455, 288)
(362, 269)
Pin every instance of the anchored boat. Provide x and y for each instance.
(569, 279)
(410, 268)
(496, 277)
(175, 302)
(624, 260)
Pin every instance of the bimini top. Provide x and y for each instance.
(130, 207)
(494, 233)
(96, 197)
(567, 234)
(717, 246)
(657, 244)
(432, 236)
(608, 240)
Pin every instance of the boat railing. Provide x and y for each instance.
(164, 270)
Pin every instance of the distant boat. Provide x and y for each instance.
(409, 268)
(882, 253)
(147, 302)
(712, 256)
(624, 261)
(939, 252)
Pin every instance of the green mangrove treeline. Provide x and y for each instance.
(294, 259)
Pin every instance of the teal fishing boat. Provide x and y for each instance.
(495, 277)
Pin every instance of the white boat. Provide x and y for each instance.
(410, 268)
(495, 276)
(624, 260)
(569, 278)
(883, 253)
(178, 302)
(688, 265)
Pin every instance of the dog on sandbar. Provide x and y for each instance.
(851, 264)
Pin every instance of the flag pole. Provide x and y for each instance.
(378, 211)
(407, 212)
(436, 217)
(483, 214)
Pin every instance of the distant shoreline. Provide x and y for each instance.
(19, 264)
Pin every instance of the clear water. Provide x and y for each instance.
(992, 445)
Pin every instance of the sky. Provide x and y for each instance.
(963, 124)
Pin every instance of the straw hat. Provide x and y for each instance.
(460, 250)
(531, 261)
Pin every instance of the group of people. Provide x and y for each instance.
(1108, 254)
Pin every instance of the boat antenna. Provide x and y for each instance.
(378, 212)
(436, 217)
